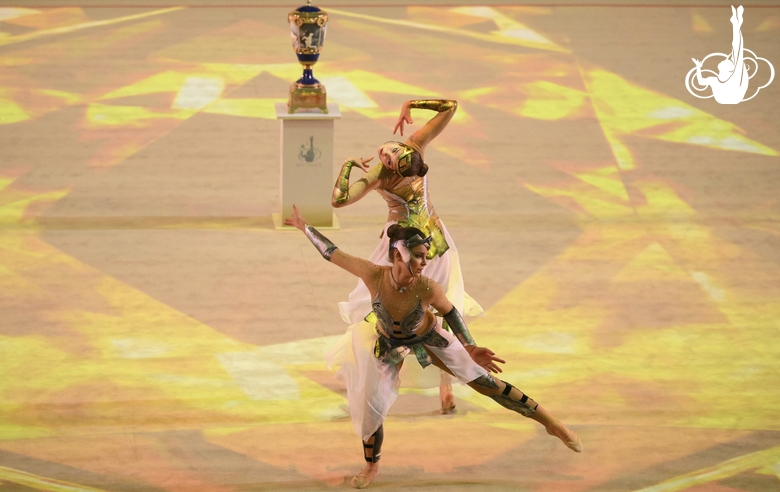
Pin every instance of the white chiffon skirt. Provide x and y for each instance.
(372, 385)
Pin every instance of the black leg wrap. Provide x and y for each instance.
(520, 406)
(524, 398)
(376, 447)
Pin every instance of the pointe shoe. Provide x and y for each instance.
(572, 440)
(361, 481)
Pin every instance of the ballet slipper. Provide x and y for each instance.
(554, 427)
(573, 442)
(361, 481)
(448, 410)
(571, 439)
(447, 399)
(364, 478)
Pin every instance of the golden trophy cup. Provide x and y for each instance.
(307, 29)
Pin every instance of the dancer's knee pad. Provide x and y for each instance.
(520, 406)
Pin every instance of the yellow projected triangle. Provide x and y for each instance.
(652, 264)
(624, 108)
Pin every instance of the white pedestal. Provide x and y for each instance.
(306, 174)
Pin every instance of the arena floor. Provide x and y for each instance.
(623, 236)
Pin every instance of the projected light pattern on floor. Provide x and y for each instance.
(651, 330)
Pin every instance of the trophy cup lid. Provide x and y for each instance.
(308, 14)
(308, 8)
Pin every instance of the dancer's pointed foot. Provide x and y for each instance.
(447, 399)
(365, 477)
(569, 437)
(573, 442)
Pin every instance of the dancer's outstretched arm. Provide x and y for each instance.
(481, 355)
(422, 137)
(358, 267)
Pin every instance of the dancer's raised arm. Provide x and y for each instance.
(422, 137)
(367, 271)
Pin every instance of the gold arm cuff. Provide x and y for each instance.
(341, 190)
(438, 105)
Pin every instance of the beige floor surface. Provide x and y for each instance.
(157, 332)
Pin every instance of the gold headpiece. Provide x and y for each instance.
(404, 160)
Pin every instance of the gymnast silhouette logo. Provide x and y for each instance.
(310, 153)
(735, 70)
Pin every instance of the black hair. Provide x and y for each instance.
(396, 232)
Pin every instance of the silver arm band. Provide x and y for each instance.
(458, 327)
(323, 244)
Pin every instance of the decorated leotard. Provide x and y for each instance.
(409, 205)
(368, 360)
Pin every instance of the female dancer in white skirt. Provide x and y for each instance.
(401, 298)
(400, 179)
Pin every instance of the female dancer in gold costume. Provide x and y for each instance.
(401, 292)
(400, 179)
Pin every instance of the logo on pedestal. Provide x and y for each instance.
(309, 153)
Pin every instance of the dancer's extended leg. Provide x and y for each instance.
(372, 451)
(512, 398)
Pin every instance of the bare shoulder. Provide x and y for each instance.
(429, 289)
(432, 294)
